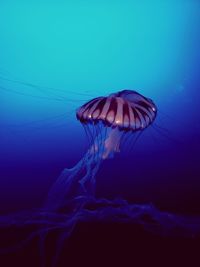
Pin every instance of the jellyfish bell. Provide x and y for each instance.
(115, 115)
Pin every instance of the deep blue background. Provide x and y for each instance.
(74, 51)
(54, 56)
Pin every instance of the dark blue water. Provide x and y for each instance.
(55, 56)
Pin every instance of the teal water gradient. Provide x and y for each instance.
(76, 50)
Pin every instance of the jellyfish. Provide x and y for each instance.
(106, 120)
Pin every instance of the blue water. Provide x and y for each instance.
(55, 56)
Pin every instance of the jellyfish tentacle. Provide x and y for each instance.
(72, 182)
